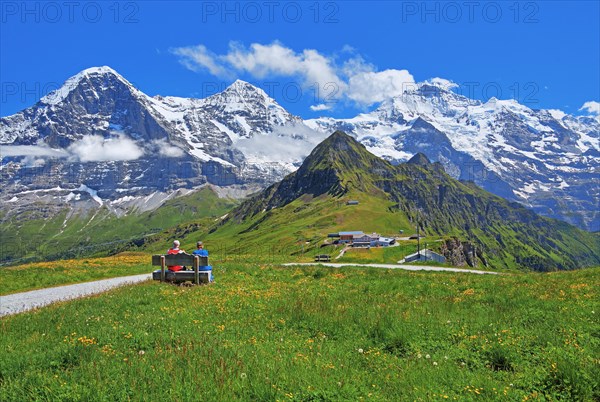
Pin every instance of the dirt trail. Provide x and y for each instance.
(397, 266)
(25, 301)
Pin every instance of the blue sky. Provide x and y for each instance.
(330, 58)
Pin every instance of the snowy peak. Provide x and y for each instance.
(243, 110)
(425, 99)
(243, 87)
(95, 101)
(242, 95)
(94, 79)
(102, 70)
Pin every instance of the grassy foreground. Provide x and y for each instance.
(39, 275)
(306, 334)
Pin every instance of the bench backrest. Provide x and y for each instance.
(179, 259)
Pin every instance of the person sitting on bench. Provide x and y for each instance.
(201, 252)
(175, 250)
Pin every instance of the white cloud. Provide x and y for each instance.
(164, 148)
(319, 107)
(197, 57)
(348, 49)
(287, 144)
(356, 65)
(95, 148)
(261, 61)
(352, 79)
(32, 161)
(319, 70)
(592, 107)
(310, 67)
(371, 87)
(32, 151)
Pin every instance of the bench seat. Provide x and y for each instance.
(188, 260)
(182, 276)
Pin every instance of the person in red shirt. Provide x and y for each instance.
(175, 250)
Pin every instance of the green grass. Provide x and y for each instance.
(41, 275)
(313, 219)
(269, 333)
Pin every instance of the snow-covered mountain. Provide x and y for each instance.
(544, 159)
(100, 141)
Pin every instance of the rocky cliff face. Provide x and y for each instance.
(460, 254)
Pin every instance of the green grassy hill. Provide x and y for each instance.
(38, 235)
(297, 213)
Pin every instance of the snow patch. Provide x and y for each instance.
(92, 193)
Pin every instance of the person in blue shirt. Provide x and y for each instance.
(200, 251)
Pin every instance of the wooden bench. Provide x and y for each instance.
(322, 257)
(196, 276)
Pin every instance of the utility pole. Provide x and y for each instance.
(418, 239)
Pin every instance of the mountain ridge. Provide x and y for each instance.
(175, 132)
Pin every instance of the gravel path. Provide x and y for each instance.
(397, 266)
(19, 302)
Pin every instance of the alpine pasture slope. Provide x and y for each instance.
(57, 232)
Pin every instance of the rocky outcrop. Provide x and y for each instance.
(460, 253)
